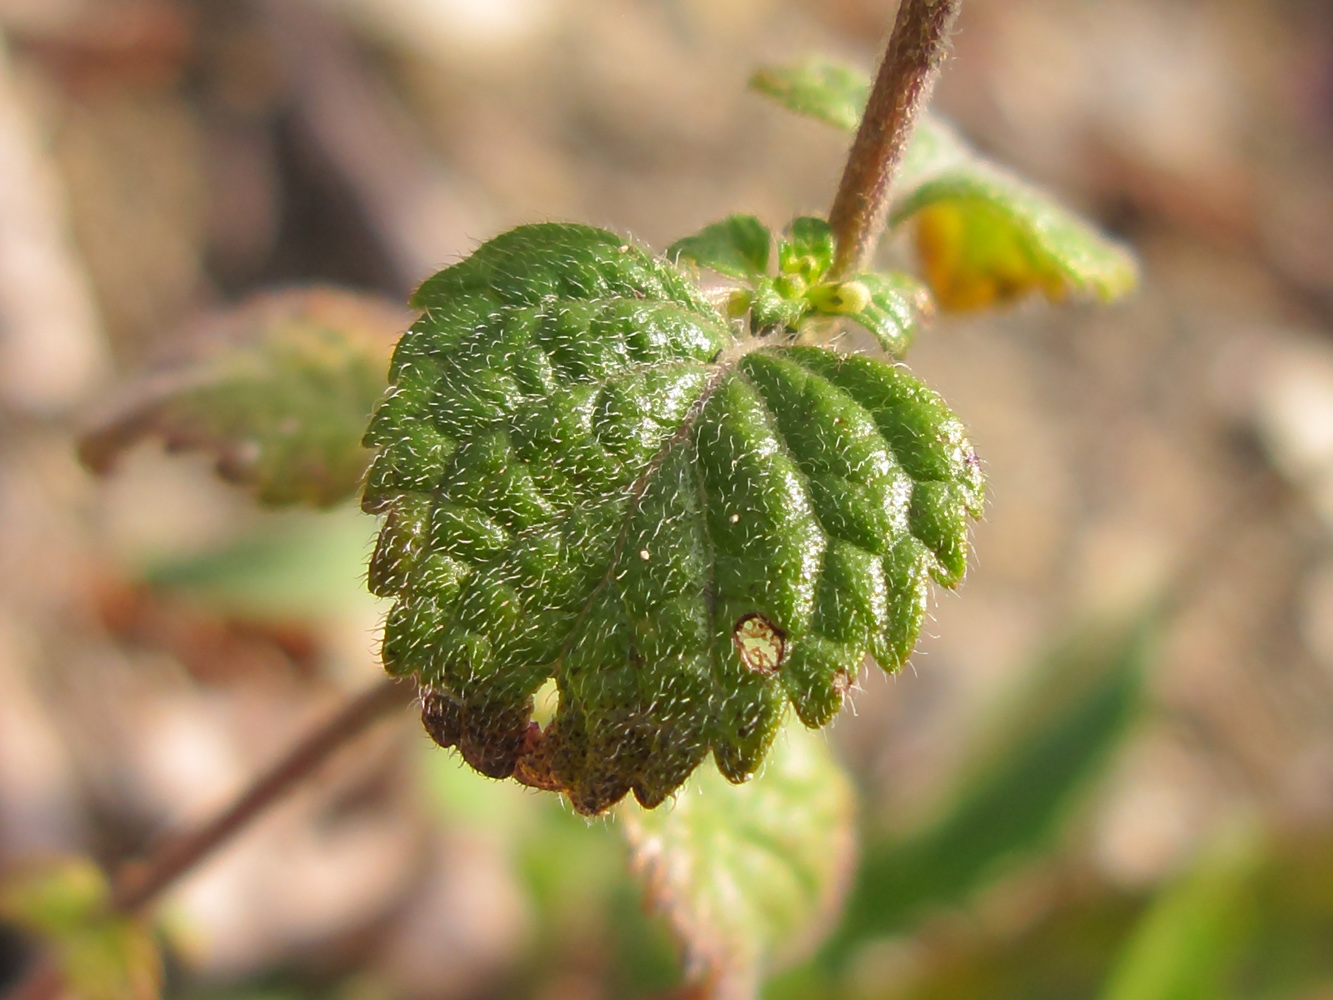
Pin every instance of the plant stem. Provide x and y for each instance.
(906, 77)
(138, 884)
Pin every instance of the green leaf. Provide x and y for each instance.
(1021, 785)
(102, 955)
(749, 877)
(737, 247)
(817, 88)
(586, 476)
(279, 390)
(893, 305)
(1185, 946)
(807, 249)
(983, 235)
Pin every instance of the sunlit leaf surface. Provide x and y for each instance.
(587, 474)
(737, 247)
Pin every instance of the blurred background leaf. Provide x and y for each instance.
(280, 391)
(1017, 788)
(749, 875)
(183, 155)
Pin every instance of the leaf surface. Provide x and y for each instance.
(587, 475)
(817, 88)
(891, 314)
(737, 247)
(748, 877)
(983, 235)
(279, 390)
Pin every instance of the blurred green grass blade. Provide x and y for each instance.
(1024, 783)
(102, 954)
(1186, 945)
(1290, 954)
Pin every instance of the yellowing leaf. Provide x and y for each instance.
(985, 238)
(984, 235)
(749, 876)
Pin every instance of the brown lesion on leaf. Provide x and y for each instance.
(441, 717)
(535, 767)
(760, 644)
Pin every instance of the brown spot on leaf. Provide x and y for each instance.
(535, 768)
(760, 644)
(440, 716)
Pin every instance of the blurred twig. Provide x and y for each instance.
(137, 885)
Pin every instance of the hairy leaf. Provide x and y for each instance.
(983, 235)
(102, 955)
(749, 877)
(889, 305)
(817, 88)
(280, 390)
(737, 247)
(892, 310)
(586, 475)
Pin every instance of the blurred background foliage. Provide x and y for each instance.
(1108, 772)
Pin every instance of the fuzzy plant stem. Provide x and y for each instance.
(902, 87)
(137, 885)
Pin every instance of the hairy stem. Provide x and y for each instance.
(906, 77)
(137, 885)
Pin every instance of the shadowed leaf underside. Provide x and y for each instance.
(585, 475)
